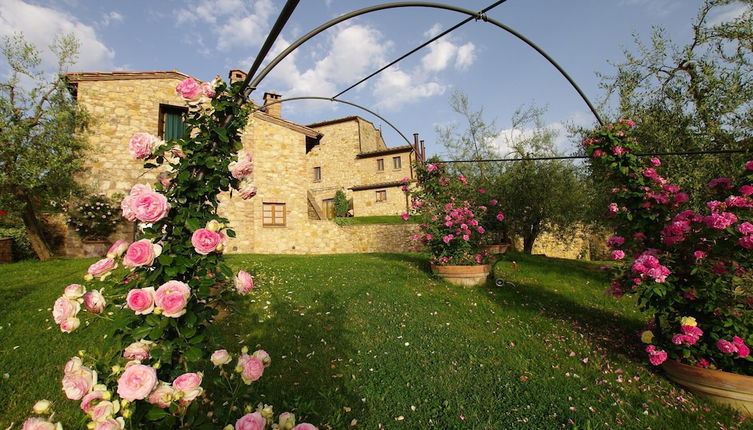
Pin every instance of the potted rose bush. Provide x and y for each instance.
(691, 269)
(94, 218)
(451, 227)
(159, 369)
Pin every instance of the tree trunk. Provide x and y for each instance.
(34, 229)
(528, 244)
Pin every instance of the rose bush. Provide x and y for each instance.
(693, 270)
(164, 289)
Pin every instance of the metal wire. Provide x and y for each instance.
(575, 157)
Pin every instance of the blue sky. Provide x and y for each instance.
(204, 38)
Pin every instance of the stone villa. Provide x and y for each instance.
(298, 168)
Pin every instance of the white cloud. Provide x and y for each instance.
(655, 7)
(40, 25)
(729, 13)
(443, 51)
(563, 143)
(396, 88)
(234, 22)
(466, 55)
(111, 17)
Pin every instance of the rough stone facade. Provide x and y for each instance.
(124, 103)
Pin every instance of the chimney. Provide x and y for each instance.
(274, 110)
(236, 75)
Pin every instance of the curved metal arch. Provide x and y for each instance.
(332, 99)
(268, 68)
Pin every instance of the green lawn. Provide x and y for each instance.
(376, 219)
(374, 339)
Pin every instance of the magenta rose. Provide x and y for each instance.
(102, 267)
(150, 207)
(189, 384)
(244, 282)
(726, 346)
(172, 298)
(141, 145)
(117, 249)
(141, 253)
(162, 396)
(64, 309)
(141, 300)
(205, 241)
(138, 350)
(94, 302)
(189, 90)
(74, 291)
(137, 382)
(251, 422)
(243, 167)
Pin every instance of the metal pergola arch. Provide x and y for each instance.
(249, 85)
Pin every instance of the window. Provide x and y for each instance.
(380, 164)
(397, 162)
(317, 174)
(381, 196)
(274, 214)
(171, 125)
(328, 207)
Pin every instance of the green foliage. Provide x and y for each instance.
(21, 246)
(375, 219)
(697, 96)
(341, 204)
(93, 217)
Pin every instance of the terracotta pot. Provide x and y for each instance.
(499, 248)
(463, 275)
(95, 248)
(727, 388)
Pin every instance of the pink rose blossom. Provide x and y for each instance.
(251, 422)
(117, 249)
(103, 411)
(189, 384)
(618, 254)
(172, 298)
(38, 424)
(137, 382)
(263, 356)
(94, 302)
(500, 216)
(141, 253)
(141, 145)
(73, 365)
(252, 370)
(111, 424)
(205, 241)
(86, 401)
(655, 162)
(599, 153)
(480, 229)
(220, 357)
(189, 90)
(746, 190)
(305, 426)
(243, 167)
(615, 241)
(64, 309)
(102, 267)
(405, 216)
(656, 357)
(681, 198)
(247, 189)
(721, 183)
(74, 291)
(141, 300)
(70, 325)
(149, 207)
(138, 350)
(746, 242)
(244, 282)
(78, 383)
(699, 255)
(431, 167)
(726, 346)
(618, 150)
(162, 396)
(207, 89)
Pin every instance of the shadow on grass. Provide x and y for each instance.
(419, 260)
(307, 344)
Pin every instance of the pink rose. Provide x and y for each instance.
(305, 426)
(726, 346)
(189, 384)
(94, 302)
(431, 167)
(137, 382)
(618, 254)
(111, 424)
(500, 216)
(79, 383)
(252, 370)
(73, 365)
(205, 241)
(70, 325)
(263, 356)
(127, 204)
(102, 267)
(243, 167)
(220, 357)
(141, 145)
(251, 422)
(598, 153)
(74, 291)
(745, 228)
(103, 411)
(244, 282)
(141, 253)
(138, 350)
(162, 396)
(207, 88)
(247, 189)
(749, 165)
(141, 300)
(286, 421)
(655, 162)
(404, 216)
(38, 424)
(117, 249)
(189, 90)
(86, 402)
(149, 207)
(64, 309)
(172, 298)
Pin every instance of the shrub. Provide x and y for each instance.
(341, 204)
(94, 217)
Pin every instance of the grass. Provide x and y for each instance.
(367, 220)
(373, 339)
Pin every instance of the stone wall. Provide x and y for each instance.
(365, 204)
(338, 148)
(571, 246)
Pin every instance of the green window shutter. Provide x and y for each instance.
(174, 127)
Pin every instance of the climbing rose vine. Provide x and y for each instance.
(159, 368)
(691, 269)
